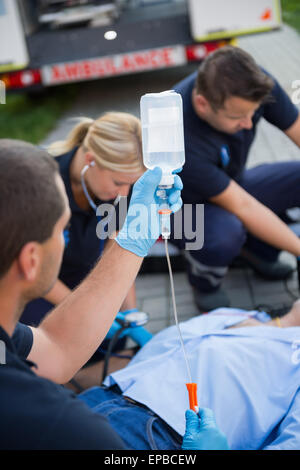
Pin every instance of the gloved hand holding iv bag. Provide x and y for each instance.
(141, 228)
(163, 153)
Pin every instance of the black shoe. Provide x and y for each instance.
(275, 270)
(207, 301)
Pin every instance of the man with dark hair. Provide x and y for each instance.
(222, 104)
(26, 198)
(36, 412)
(240, 76)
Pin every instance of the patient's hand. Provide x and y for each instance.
(202, 432)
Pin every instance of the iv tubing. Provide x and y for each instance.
(175, 310)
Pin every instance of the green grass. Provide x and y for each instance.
(291, 13)
(31, 118)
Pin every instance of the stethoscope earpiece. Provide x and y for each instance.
(92, 163)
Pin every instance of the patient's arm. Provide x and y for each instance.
(254, 322)
(292, 318)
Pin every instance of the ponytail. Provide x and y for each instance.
(114, 139)
(74, 139)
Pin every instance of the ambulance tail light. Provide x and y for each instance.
(197, 52)
(21, 79)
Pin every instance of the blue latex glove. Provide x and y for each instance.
(138, 333)
(202, 433)
(116, 326)
(141, 228)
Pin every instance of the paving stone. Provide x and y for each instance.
(235, 278)
(156, 307)
(144, 292)
(154, 326)
(181, 283)
(240, 298)
(273, 299)
(157, 280)
(262, 286)
(186, 309)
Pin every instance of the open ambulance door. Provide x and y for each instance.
(13, 49)
(217, 19)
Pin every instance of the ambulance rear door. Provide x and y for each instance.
(13, 50)
(217, 19)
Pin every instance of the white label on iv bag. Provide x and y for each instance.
(165, 130)
(163, 115)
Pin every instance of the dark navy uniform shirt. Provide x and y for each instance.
(83, 247)
(214, 157)
(36, 413)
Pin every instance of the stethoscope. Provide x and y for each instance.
(91, 202)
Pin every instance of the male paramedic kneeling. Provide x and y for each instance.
(36, 412)
(245, 209)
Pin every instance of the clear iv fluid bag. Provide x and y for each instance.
(162, 132)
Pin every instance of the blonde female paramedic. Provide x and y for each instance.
(99, 161)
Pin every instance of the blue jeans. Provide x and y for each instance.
(138, 427)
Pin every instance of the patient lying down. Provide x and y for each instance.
(247, 368)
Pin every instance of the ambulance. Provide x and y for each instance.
(50, 42)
